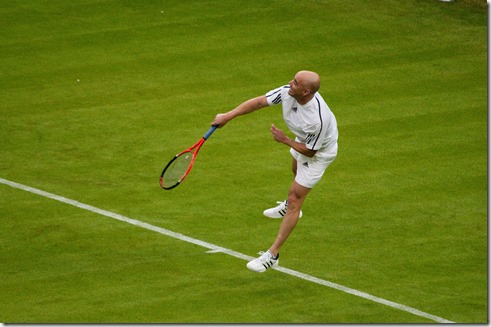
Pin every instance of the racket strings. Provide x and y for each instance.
(177, 170)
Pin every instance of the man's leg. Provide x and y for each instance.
(296, 197)
(294, 167)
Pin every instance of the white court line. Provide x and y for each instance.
(215, 248)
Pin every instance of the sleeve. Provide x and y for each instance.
(275, 96)
(313, 140)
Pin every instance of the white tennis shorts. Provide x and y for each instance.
(310, 170)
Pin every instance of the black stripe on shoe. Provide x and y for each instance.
(282, 212)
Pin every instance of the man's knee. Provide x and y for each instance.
(296, 196)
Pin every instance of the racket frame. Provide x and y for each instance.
(196, 147)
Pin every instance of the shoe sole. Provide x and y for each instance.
(280, 216)
(261, 271)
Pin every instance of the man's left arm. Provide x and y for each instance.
(301, 148)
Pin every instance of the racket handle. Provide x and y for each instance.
(210, 131)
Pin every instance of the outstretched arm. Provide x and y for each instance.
(244, 108)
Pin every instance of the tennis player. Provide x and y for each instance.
(314, 148)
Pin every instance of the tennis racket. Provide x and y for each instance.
(179, 167)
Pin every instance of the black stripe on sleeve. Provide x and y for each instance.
(277, 99)
(277, 94)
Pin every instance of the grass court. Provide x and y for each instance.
(96, 96)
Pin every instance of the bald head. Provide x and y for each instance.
(309, 80)
(304, 86)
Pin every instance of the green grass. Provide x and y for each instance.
(96, 96)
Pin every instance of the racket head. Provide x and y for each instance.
(177, 169)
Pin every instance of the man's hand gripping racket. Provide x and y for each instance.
(179, 167)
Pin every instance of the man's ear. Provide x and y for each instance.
(305, 92)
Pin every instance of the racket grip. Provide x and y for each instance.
(210, 131)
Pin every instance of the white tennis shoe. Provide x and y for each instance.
(264, 262)
(278, 211)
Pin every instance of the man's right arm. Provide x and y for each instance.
(242, 109)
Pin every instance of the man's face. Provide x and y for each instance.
(296, 88)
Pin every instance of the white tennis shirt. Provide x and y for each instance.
(313, 123)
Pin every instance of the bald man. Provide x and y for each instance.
(314, 148)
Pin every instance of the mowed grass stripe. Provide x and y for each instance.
(215, 248)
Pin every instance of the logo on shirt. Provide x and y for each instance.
(295, 109)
